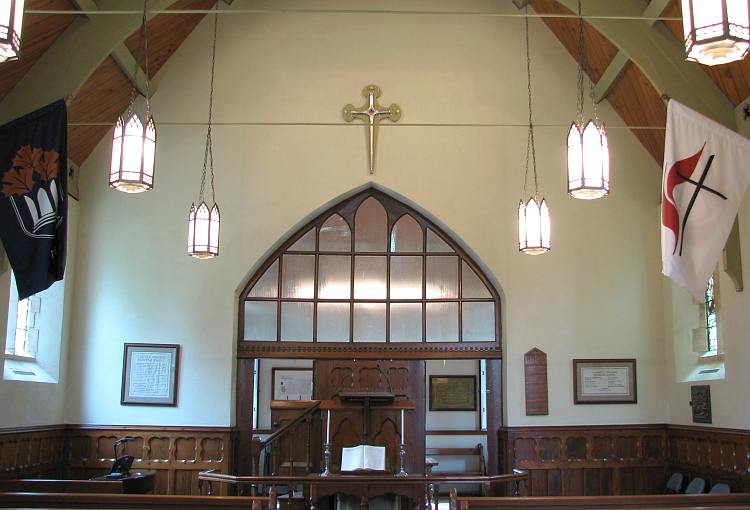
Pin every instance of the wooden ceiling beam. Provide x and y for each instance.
(654, 9)
(121, 55)
(660, 57)
(67, 64)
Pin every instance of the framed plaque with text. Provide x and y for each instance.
(453, 393)
(604, 381)
(149, 374)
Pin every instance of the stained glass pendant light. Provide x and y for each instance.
(204, 222)
(716, 31)
(588, 151)
(134, 138)
(533, 216)
(11, 21)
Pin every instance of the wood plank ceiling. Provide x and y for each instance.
(106, 93)
(633, 96)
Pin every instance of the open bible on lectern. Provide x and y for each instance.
(363, 458)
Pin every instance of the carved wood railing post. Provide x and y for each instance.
(255, 453)
(272, 498)
(453, 505)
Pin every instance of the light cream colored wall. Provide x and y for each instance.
(597, 294)
(728, 395)
(24, 403)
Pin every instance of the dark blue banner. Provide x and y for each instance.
(33, 196)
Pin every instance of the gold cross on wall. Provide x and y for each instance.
(371, 112)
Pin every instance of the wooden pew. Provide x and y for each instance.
(672, 501)
(133, 501)
(475, 453)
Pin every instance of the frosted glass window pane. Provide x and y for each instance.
(335, 235)
(370, 227)
(268, 284)
(471, 285)
(442, 277)
(334, 277)
(260, 320)
(333, 322)
(298, 274)
(296, 322)
(442, 322)
(478, 322)
(406, 277)
(436, 244)
(306, 242)
(406, 322)
(369, 277)
(406, 235)
(369, 322)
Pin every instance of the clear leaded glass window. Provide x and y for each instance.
(712, 331)
(369, 270)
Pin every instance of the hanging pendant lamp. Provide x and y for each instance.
(533, 216)
(588, 149)
(716, 31)
(11, 22)
(204, 222)
(134, 138)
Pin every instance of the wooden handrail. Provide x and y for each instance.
(359, 479)
(134, 501)
(713, 501)
(277, 434)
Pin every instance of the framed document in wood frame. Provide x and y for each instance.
(604, 381)
(149, 374)
(453, 393)
(292, 383)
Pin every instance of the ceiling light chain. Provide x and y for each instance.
(204, 223)
(533, 216)
(588, 148)
(134, 139)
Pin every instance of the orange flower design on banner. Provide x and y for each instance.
(28, 161)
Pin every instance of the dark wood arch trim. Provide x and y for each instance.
(395, 210)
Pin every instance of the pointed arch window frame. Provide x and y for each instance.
(422, 349)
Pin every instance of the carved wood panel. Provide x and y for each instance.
(589, 461)
(32, 452)
(177, 454)
(718, 455)
(403, 378)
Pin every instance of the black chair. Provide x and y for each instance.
(720, 488)
(674, 484)
(696, 486)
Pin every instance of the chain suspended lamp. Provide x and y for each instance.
(134, 138)
(204, 222)
(11, 22)
(533, 216)
(588, 150)
(716, 31)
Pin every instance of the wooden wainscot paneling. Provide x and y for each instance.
(32, 452)
(716, 454)
(177, 454)
(589, 460)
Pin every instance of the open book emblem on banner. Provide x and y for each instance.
(31, 185)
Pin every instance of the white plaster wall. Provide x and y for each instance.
(28, 404)
(729, 398)
(597, 294)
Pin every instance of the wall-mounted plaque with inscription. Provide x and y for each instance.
(453, 393)
(604, 381)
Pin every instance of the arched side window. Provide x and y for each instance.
(370, 275)
(711, 316)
